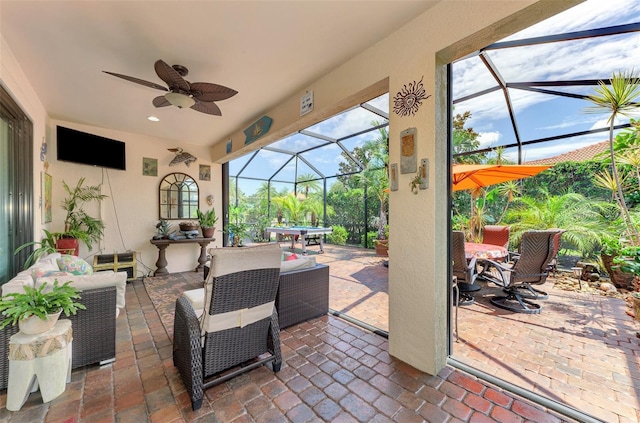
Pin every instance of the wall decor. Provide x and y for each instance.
(257, 129)
(181, 157)
(408, 158)
(205, 173)
(43, 150)
(306, 103)
(47, 185)
(424, 173)
(149, 166)
(393, 176)
(408, 100)
(229, 146)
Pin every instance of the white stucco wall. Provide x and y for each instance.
(131, 210)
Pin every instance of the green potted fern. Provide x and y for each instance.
(36, 310)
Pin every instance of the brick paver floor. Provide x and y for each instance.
(334, 370)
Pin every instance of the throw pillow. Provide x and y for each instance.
(291, 257)
(74, 265)
(38, 273)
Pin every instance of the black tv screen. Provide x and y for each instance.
(81, 147)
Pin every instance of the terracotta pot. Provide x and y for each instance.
(382, 247)
(34, 325)
(68, 246)
(208, 232)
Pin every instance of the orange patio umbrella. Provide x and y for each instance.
(474, 176)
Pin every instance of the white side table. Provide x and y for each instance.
(43, 359)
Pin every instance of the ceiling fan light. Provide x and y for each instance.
(180, 100)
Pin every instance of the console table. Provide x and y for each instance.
(162, 245)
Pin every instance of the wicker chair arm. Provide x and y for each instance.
(494, 272)
(274, 341)
(187, 350)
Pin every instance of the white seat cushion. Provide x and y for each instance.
(195, 297)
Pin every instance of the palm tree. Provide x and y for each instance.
(508, 190)
(620, 99)
(581, 218)
(309, 183)
(375, 176)
(292, 206)
(315, 206)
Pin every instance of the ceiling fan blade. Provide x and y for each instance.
(207, 107)
(139, 81)
(204, 91)
(161, 101)
(170, 76)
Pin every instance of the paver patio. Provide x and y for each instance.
(581, 350)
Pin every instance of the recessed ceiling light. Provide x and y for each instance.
(153, 119)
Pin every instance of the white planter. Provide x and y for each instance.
(34, 325)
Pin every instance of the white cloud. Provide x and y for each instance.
(489, 139)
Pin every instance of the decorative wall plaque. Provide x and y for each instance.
(408, 158)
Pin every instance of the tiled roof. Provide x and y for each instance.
(579, 155)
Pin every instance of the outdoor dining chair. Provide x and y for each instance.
(553, 265)
(530, 267)
(231, 325)
(464, 270)
(496, 235)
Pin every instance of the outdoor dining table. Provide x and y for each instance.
(484, 251)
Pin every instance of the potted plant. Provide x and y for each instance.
(207, 221)
(36, 310)
(47, 245)
(628, 260)
(382, 244)
(78, 225)
(237, 231)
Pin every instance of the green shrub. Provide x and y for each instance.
(338, 236)
(371, 236)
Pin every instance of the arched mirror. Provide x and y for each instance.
(178, 197)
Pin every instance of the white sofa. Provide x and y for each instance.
(94, 329)
(81, 282)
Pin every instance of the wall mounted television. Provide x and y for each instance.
(84, 148)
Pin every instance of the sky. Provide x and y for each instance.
(540, 115)
(537, 115)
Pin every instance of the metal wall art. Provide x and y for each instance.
(409, 99)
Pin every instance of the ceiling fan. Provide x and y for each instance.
(181, 93)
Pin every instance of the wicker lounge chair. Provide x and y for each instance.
(530, 267)
(237, 328)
